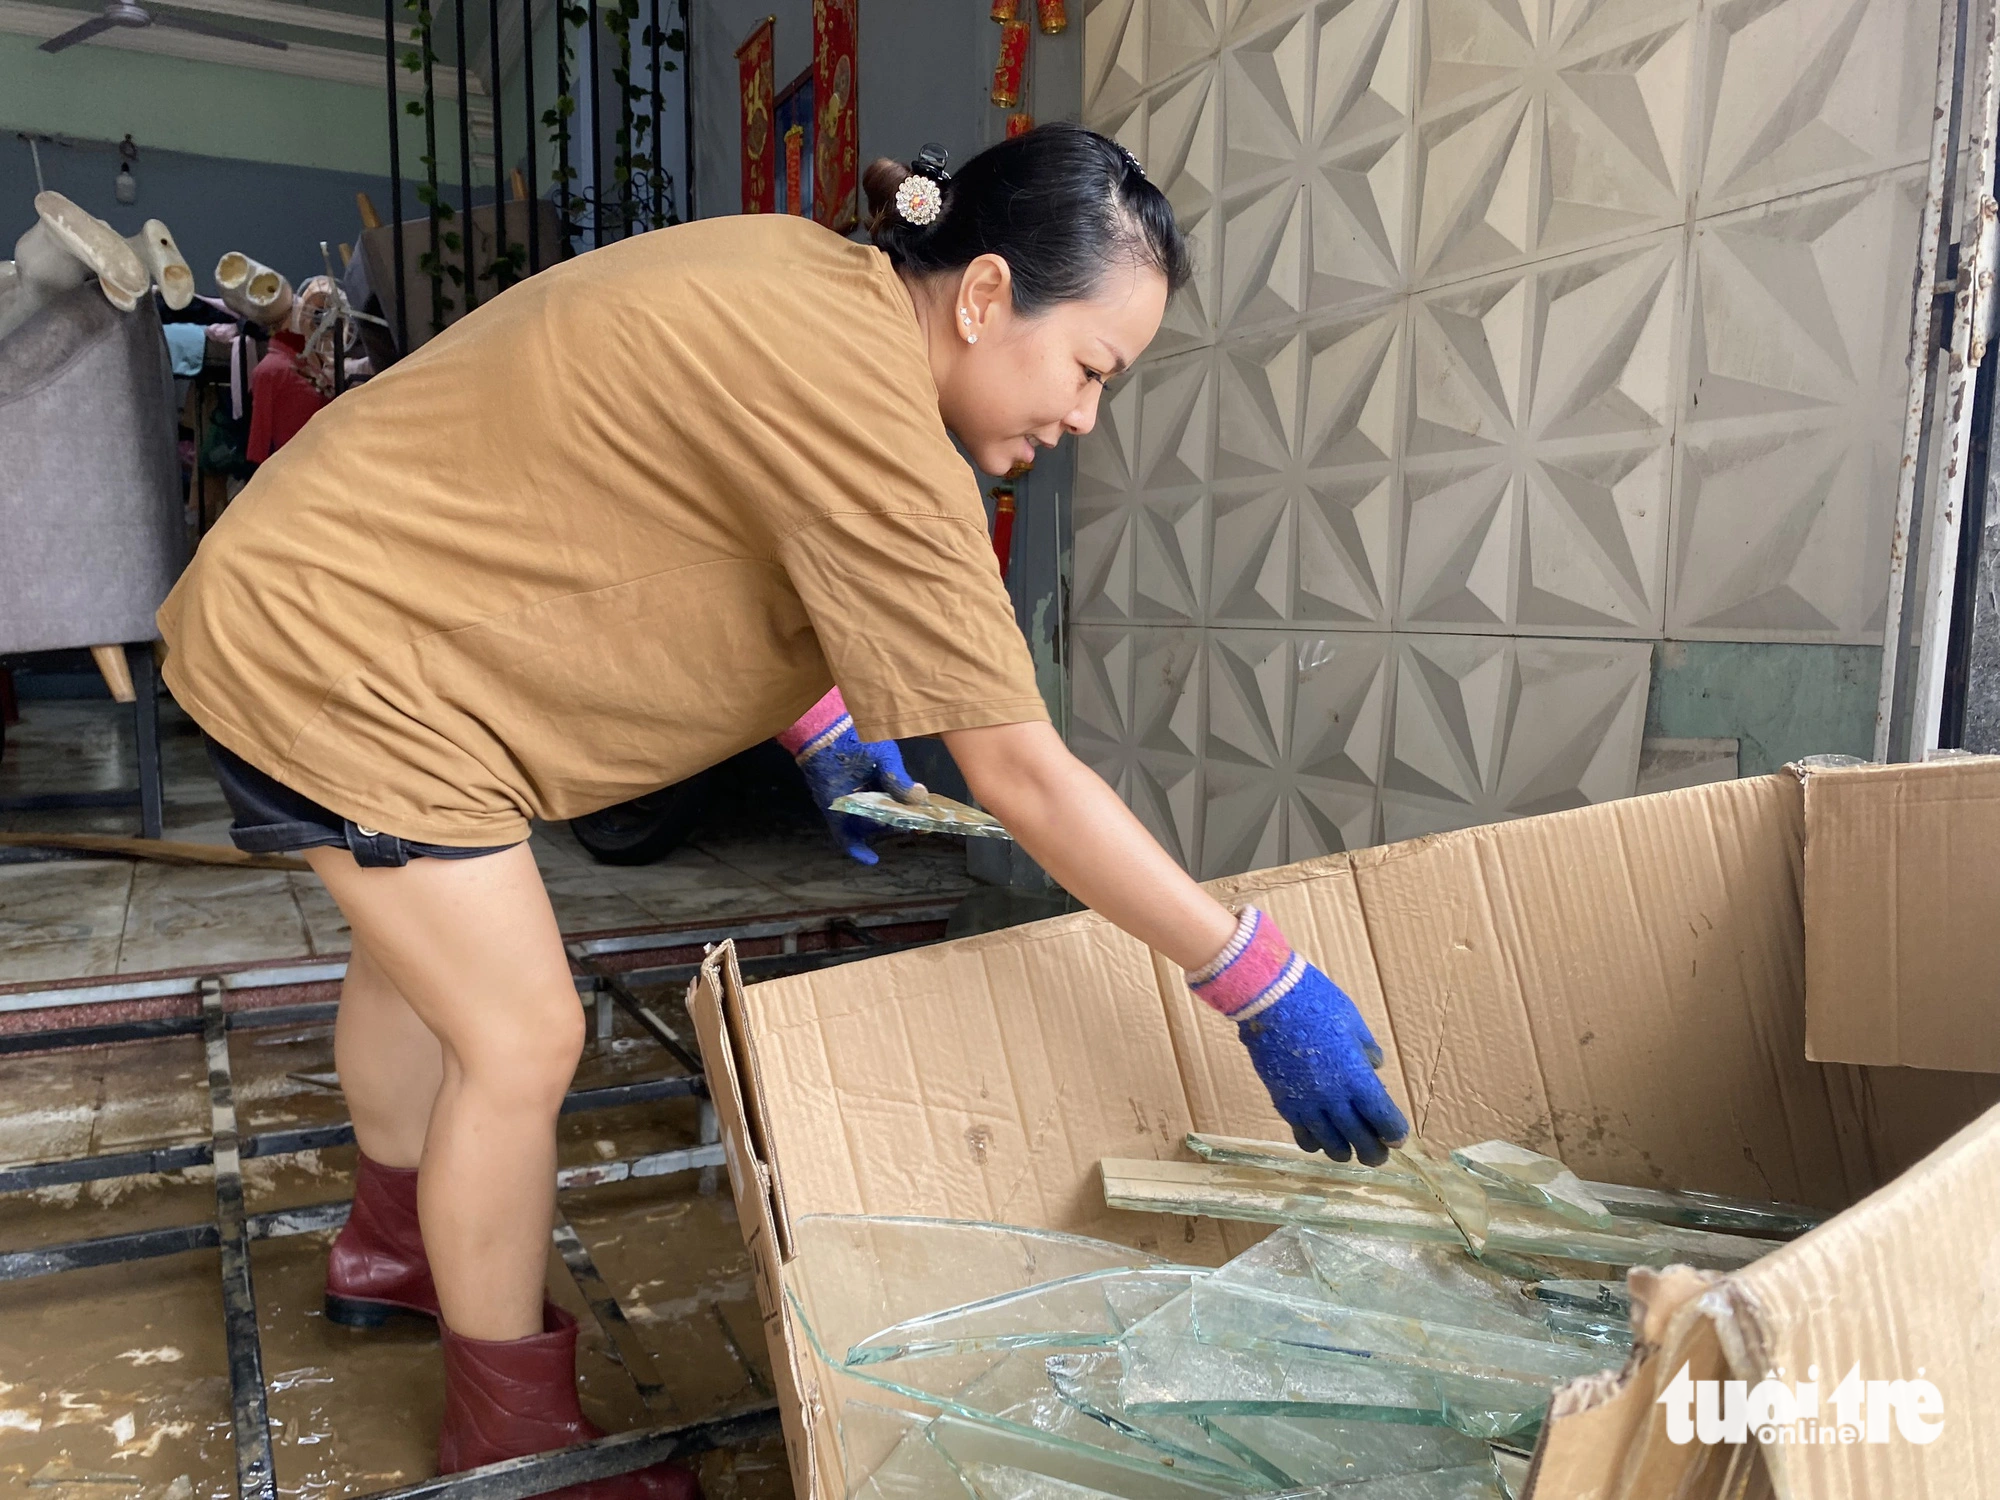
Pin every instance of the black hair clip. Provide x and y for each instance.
(930, 163)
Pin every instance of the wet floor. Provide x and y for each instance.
(114, 1383)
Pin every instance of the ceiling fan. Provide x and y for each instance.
(126, 13)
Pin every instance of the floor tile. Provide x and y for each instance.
(814, 874)
(181, 915)
(326, 929)
(556, 848)
(584, 902)
(61, 919)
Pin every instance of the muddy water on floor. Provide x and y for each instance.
(113, 1382)
(115, 1373)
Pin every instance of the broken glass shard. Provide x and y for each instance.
(1168, 1369)
(1009, 1390)
(1239, 1317)
(888, 1455)
(854, 1275)
(966, 1442)
(1320, 1450)
(1607, 1297)
(934, 815)
(1591, 1328)
(1513, 1471)
(1092, 1308)
(1472, 1482)
(1688, 1210)
(1456, 1188)
(1386, 1275)
(1434, 1282)
(1092, 1383)
(1600, 1311)
(1226, 1191)
(1540, 1178)
(999, 1482)
(1779, 1221)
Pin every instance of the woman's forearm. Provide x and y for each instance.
(1078, 830)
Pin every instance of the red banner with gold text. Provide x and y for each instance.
(836, 163)
(760, 144)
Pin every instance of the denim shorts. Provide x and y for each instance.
(271, 818)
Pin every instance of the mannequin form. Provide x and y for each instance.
(295, 378)
(155, 247)
(98, 246)
(66, 247)
(311, 317)
(253, 290)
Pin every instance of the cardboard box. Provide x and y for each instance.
(1903, 914)
(1622, 986)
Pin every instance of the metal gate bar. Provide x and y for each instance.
(232, 1230)
(150, 1244)
(250, 1422)
(154, 1159)
(620, 1342)
(621, 1453)
(797, 932)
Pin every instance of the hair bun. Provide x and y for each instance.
(879, 183)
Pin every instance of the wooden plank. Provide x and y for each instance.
(163, 851)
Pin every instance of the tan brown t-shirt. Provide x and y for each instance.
(634, 515)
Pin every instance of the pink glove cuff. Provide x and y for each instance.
(823, 723)
(1254, 971)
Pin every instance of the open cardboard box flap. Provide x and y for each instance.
(1902, 912)
(1621, 986)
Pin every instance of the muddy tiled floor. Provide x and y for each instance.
(63, 920)
(113, 1382)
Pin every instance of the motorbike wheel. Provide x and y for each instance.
(645, 829)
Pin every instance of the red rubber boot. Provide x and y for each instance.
(377, 1269)
(518, 1396)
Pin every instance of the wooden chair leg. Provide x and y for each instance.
(152, 799)
(117, 672)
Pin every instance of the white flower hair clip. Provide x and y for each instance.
(919, 200)
(920, 197)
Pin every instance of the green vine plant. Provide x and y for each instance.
(556, 118)
(636, 163)
(422, 57)
(635, 155)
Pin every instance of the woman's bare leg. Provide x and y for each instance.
(391, 1064)
(473, 946)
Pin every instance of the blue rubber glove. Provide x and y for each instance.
(837, 761)
(1309, 1044)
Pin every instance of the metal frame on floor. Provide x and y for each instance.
(807, 941)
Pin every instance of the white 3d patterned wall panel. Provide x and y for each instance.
(1526, 333)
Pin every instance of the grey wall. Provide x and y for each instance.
(272, 213)
(925, 67)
